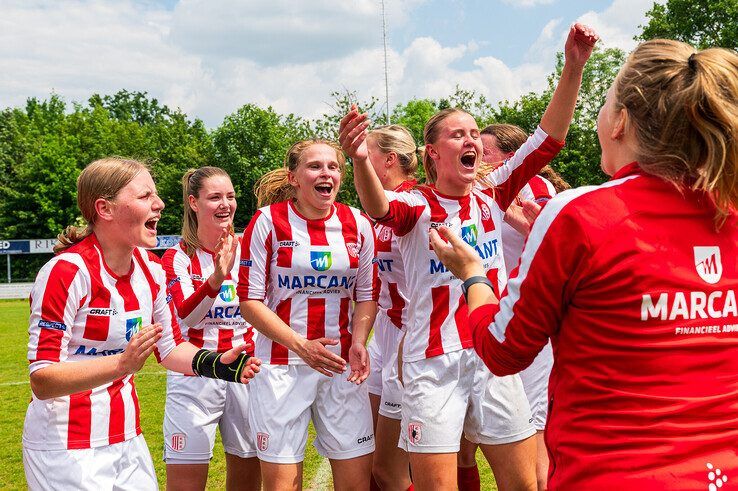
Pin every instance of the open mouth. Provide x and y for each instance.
(324, 189)
(223, 215)
(151, 224)
(469, 159)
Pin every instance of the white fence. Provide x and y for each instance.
(15, 290)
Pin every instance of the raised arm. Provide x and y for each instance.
(352, 137)
(560, 111)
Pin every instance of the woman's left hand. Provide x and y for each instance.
(253, 364)
(458, 257)
(359, 363)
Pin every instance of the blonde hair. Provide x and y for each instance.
(192, 182)
(274, 186)
(430, 135)
(681, 104)
(398, 140)
(101, 179)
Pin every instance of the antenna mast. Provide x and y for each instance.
(386, 73)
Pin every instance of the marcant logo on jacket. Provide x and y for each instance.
(708, 264)
(469, 234)
(133, 326)
(227, 293)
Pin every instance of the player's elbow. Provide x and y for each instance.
(41, 385)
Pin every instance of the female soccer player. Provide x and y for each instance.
(393, 155)
(640, 303)
(439, 368)
(98, 310)
(308, 284)
(201, 278)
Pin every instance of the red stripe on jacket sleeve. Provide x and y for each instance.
(53, 306)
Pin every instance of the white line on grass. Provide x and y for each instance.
(322, 479)
(23, 382)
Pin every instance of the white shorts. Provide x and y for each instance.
(374, 381)
(125, 465)
(455, 392)
(287, 397)
(535, 382)
(388, 338)
(194, 408)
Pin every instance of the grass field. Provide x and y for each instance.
(151, 384)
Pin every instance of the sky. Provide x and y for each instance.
(210, 57)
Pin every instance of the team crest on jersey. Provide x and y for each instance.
(133, 326)
(321, 260)
(353, 249)
(708, 263)
(469, 234)
(228, 293)
(178, 442)
(385, 234)
(486, 214)
(262, 441)
(415, 432)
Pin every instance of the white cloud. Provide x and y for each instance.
(209, 58)
(618, 23)
(527, 3)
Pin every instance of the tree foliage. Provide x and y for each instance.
(701, 23)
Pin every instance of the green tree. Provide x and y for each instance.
(701, 23)
(579, 160)
(248, 144)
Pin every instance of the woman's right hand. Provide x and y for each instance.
(352, 134)
(317, 356)
(139, 348)
(225, 256)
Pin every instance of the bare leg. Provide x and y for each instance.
(279, 477)
(513, 464)
(433, 471)
(352, 474)
(541, 462)
(391, 464)
(187, 477)
(242, 474)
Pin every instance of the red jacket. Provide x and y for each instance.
(637, 290)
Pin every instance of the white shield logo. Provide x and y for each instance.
(485, 212)
(414, 432)
(179, 442)
(708, 264)
(262, 441)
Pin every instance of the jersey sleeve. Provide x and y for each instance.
(508, 336)
(57, 295)
(405, 209)
(163, 312)
(367, 276)
(190, 303)
(256, 257)
(537, 151)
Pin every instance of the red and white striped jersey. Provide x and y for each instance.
(309, 272)
(393, 297)
(437, 321)
(209, 318)
(636, 288)
(81, 309)
(538, 189)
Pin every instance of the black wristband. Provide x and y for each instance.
(207, 364)
(473, 281)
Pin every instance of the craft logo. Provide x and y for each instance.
(228, 293)
(716, 478)
(262, 441)
(133, 326)
(179, 442)
(353, 249)
(708, 264)
(104, 312)
(485, 212)
(288, 243)
(414, 432)
(321, 260)
(469, 234)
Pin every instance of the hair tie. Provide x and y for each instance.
(692, 62)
